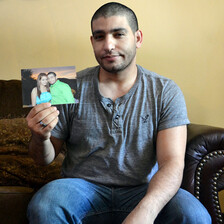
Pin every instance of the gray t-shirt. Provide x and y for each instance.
(114, 143)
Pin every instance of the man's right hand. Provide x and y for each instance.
(41, 120)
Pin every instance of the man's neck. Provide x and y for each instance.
(115, 85)
(55, 83)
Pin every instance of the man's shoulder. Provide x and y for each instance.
(154, 79)
(88, 72)
(61, 83)
(152, 75)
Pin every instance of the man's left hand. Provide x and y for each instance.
(140, 215)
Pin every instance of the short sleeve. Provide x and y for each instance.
(173, 107)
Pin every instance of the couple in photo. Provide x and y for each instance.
(50, 89)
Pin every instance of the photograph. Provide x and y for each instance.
(56, 85)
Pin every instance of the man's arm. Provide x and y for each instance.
(171, 144)
(43, 148)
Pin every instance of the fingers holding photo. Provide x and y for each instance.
(50, 120)
(42, 118)
(37, 109)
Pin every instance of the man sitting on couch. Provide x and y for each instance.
(128, 121)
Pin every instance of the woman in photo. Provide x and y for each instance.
(41, 93)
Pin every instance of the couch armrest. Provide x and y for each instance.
(204, 166)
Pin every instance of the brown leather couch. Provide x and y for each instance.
(20, 177)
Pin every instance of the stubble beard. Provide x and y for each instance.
(114, 69)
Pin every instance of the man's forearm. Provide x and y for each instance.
(171, 144)
(42, 152)
(162, 187)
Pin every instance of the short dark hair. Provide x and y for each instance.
(113, 9)
(52, 73)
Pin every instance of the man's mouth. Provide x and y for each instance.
(110, 57)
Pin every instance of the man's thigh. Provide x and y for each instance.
(183, 208)
(69, 200)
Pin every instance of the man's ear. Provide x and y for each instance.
(138, 38)
(91, 39)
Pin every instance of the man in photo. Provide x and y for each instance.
(61, 92)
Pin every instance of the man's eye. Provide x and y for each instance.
(119, 35)
(98, 37)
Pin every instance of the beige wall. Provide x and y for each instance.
(183, 40)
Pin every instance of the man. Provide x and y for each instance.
(61, 92)
(125, 139)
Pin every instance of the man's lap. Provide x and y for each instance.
(78, 201)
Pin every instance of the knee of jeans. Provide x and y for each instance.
(195, 216)
(38, 207)
(185, 208)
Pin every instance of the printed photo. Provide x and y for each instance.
(56, 85)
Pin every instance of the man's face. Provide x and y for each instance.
(114, 43)
(52, 79)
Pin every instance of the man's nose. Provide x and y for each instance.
(109, 44)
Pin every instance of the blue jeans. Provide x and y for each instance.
(77, 201)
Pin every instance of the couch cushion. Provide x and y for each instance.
(14, 136)
(19, 170)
